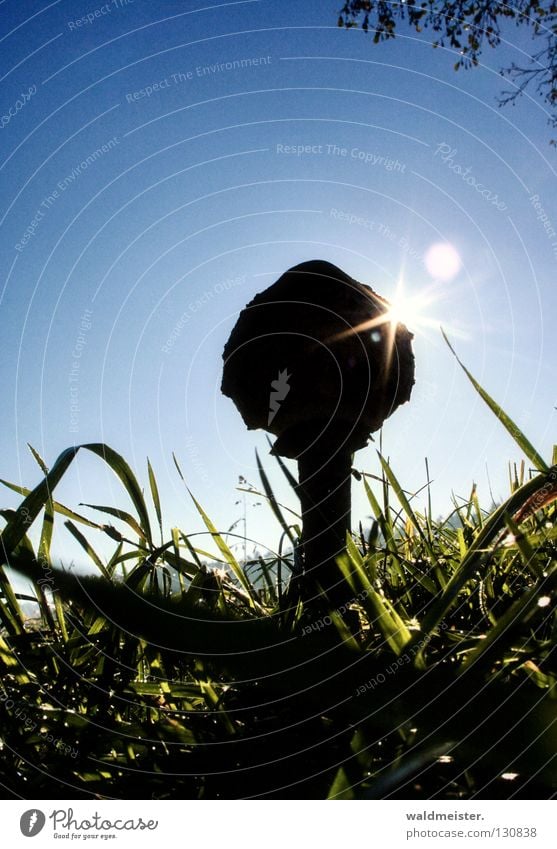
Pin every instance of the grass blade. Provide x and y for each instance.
(88, 548)
(282, 466)
(58, 508)
(31, 506)
(225, 551)
(122, 515)
(155, 495)
(524, 444)
(272, 500)
(380, 609)
(477, 551)
(123, 471)
(519, 613)
(405, 504)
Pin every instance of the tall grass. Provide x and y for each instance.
(156, 676)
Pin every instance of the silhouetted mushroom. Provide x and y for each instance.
(315, 360)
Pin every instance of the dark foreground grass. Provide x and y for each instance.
(161, 678)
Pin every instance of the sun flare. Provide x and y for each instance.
(443, 261)
(414, 311)
(410, 311)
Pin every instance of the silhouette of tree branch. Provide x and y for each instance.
(468, 26)
(541, 74)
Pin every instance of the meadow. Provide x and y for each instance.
(155, 675)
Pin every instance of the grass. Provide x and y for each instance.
(155, 676)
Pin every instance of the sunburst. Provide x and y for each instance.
(411, 310)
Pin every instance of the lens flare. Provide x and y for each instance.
(414, 311)
(408, 309)
(443, 261)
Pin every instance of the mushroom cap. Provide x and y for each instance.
(303, 361)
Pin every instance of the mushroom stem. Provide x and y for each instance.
(324, 492)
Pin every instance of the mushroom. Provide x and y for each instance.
(316, 361)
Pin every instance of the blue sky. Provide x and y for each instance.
(162, 163)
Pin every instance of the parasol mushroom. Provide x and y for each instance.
(316, 361)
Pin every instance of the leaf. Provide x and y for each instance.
(505, 420)
(405, 504)
(272, 500)
(155, 495)
(529, 556)
(119, 514)
(519, 613)
(282, 466)
(225, 551)
(46, 532)
(379, 608)
(58, 508)
(60, 617)
(88, 548)
(475, 554)
(123, 471)
(341, 787)
(31, 506)
(41, 463)
(383, 521)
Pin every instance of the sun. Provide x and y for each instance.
(443, 263)
(414, 311)
(407, 310)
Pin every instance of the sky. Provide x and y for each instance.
(161, 163)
